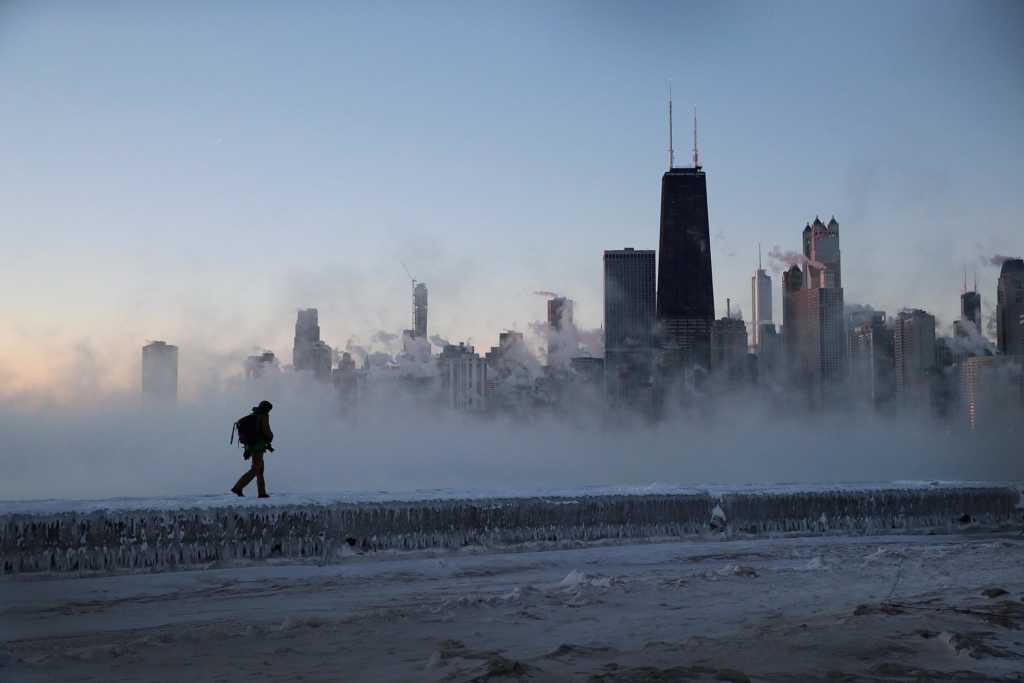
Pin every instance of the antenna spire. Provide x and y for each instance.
(759, 256)
(975, 279)
(696, 159)
(964, 290)
(671, 152)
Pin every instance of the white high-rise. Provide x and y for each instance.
(761, 303)
(160, 371)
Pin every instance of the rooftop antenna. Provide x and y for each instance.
(759, 267)
(964, 290)
(696, 159)
(671, 152)
(975, 278)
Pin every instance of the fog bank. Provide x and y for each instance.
(120, 446)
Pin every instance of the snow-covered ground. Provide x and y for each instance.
(939, 607)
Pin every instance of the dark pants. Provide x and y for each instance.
(255, 471)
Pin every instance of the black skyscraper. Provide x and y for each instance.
(629, 307)
(686, 301)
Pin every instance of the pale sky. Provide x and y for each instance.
(197, 171)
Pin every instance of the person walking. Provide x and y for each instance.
(255, 435)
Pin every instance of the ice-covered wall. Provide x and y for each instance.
(159, 539)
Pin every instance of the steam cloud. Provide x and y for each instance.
(782, 259)
(386, 338)
(393, 439)
(997, 260)
(121, 447)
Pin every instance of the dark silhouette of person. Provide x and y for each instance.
(257, 440)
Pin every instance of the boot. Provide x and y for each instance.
(238, 492)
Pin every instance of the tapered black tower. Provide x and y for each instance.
(686, 300)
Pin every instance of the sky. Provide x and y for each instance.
(196, 172)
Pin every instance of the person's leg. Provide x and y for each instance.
(257, 466)
(244, 480)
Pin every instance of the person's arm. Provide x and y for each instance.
(265, 425)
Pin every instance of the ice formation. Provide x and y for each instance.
(104, 540)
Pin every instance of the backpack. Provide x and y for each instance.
(248, 428)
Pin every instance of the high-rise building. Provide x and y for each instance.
(814, 330)
(792, 284)
(322, 360)
(970, 309)
(559, 313)
(559, 320)
(307, 336)
(510, 342)
(729, 348)
(463, 378)
(1010, 308)
(769, 355)
(309, 352)
(629, 320)
(761, 303)
(419, 310)
(872, 361)
(258, 365)
(160, 371)
(992, 392)
(509, 379)
(686, 297)
(821, 340)
(914, 348)
(346, 381)
(821, 249)
(589, 369)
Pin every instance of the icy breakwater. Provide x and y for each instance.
(158, 539)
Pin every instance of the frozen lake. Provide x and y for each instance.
(938, 607)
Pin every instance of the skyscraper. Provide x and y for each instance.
(559, 312)
(309, 352)
(346, 381)
(256, 366)
(914, 354)
(419, 310)
(629, 319)
(819, 335)
(970, 309)
(821, 249)
(559, 320)
(729, 348)
(307, 334)
(872, 363)
(1010, 308)
(463, 378)
(685, 301)
(992, 393)
(792, 284)
(761, 302)
(814, 327)
(322, 359)
(160, 371)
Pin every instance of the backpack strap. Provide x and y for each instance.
(233, 428)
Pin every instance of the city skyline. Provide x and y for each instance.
(146, 206)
